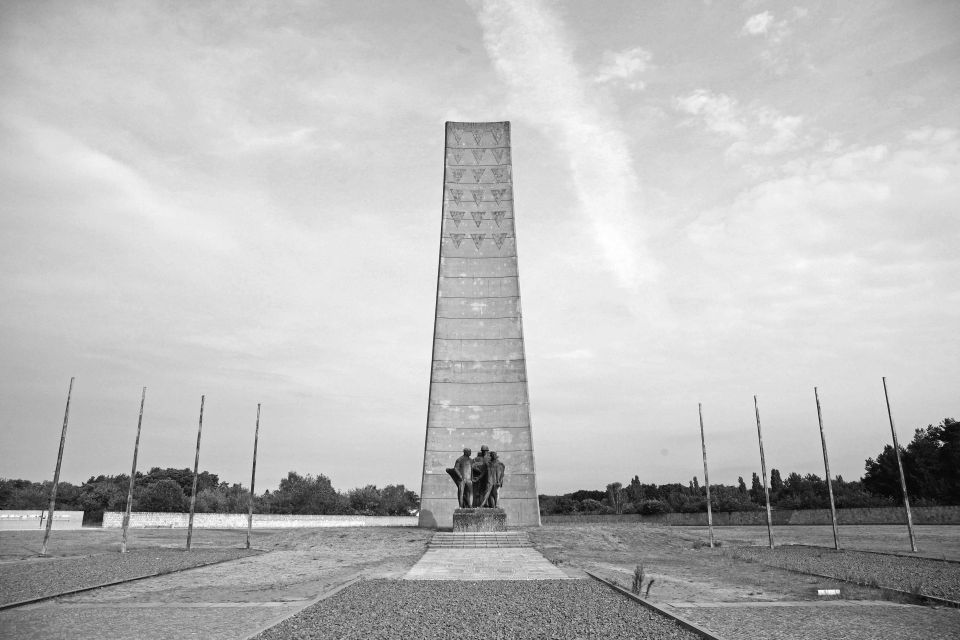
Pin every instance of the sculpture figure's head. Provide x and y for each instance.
(493, 455)
(484, 449)
(467, 451)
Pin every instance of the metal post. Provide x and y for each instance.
(56, 474)
(903, 480)
(253, 476)
(706, 475)
(196, 466)
(826, 466)
(763, 470)
(133, 475)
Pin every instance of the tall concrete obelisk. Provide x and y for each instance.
(478, 380)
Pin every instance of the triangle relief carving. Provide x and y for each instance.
(498, 216)
(477, 196)
(499, 238)
(477, 217)
(456, 174)
(457, 216)
(456, 195)
(478, 173)
(477, 155)
(477, 238)
(457, 238)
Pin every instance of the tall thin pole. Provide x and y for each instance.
(706, 475)
(196, 466)
(826, 467)
(133, 475)
(903, 480)
(253, 477)
(56, 473)
(763, 470)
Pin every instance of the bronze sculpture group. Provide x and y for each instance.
(478, 479)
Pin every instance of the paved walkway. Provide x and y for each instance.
(483, 556)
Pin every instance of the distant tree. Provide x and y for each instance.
(163, 495)
(776, 484)
(365, 500)
(616, 497)
(652, 507)
(756, 490)
(593, 506)
(741, 485)
(931, 465)
(308, 495)
(397, 500)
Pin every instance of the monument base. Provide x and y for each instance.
(479, 520)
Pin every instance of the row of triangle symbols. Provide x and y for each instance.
(500, 174)
(496, 132)
(498, 194)
(477, 216)
(478, 238)
(499, 154)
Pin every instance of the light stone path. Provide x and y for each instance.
(483, 556)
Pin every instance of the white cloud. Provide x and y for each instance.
(624, 66)
(532, 54)
(755, 130)
(758, 24)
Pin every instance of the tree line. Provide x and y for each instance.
(169, 490)
(931, 465)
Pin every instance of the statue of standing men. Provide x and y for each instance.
(495, 470)
(479, 479)
(462, 474)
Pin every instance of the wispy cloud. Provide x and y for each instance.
(754, 130)
(774, 34)
(758, 24)
(531, 52)
(624, 66)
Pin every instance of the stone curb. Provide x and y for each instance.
(686, 624)
(921, 597)
(879, 553)
(323, 596)
(23, 603)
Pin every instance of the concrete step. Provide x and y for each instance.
(492, 540)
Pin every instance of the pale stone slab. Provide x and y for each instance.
(484, 564)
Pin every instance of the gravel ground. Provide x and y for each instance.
(41, 577)
(555, 609)
(850, 623)
(920, 575)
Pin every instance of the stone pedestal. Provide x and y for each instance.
(479, 520)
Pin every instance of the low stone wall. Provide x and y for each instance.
(878, 515)
(27, 519)
(145, 520)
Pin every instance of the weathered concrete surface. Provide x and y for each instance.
(478, 381)
(482, 520)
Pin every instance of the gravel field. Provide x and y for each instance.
(850, 623)
(28, 579)
(555, 609)
(922, 575)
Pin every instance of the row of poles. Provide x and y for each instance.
(133, 474)
(826, 464)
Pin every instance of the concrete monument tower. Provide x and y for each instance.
(478, 380)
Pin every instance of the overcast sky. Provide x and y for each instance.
(243, 200)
